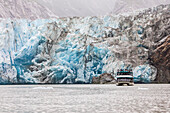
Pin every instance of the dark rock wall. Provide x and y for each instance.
(161, 60)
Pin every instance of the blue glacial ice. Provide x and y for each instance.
(61, 51)
(144, 73)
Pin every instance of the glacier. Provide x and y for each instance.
(74, 50)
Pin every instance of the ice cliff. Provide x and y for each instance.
(73, 50)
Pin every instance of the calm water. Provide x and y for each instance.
(141, 98)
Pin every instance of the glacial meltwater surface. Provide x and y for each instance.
(140, 98)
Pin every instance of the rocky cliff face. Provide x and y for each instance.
(124, 6)
(65, 8)
(23, 9)
(74, 50)
(161, 59)
(104, 78)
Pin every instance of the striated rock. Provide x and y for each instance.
(161, 59)
(104, 78)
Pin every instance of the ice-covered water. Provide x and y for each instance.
(141, 98)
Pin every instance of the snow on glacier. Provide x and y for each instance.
(61, 50)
